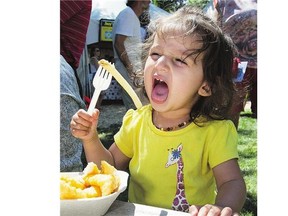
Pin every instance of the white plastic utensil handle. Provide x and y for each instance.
(93, 101)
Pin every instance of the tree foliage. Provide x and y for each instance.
(173, 5)
(169, 5)
(198, 3)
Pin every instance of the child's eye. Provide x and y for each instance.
(180, 62)
(155, 55)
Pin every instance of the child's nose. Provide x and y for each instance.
(162, 64)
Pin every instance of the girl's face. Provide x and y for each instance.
(173, 82)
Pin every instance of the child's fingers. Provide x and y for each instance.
(83, 120)
(227, 211)
(79, 133)
(95, 117)
(82, 123)
(86, 116)
(193, 210)
(209, 209)
(95, 114)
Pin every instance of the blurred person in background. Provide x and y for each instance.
(126, 35)
(144, 22)
(238, 19)
(94, 57)
(74, 20)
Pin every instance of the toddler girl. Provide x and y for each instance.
(180, 149)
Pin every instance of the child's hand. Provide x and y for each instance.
(83, 125)
(211, 210)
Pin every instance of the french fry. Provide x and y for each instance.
(106, 168)
(111, 69)
(105, 182)
(67, 191)
(92, 191)
(76, 181)
(93, 182)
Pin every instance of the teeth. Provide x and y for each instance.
(157, 81)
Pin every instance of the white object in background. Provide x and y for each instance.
(241, 71)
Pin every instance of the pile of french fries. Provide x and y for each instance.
(93, 183)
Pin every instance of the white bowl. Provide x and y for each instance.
(92, 206)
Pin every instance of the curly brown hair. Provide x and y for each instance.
(218, 50)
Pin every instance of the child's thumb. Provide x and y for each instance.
(95, 118)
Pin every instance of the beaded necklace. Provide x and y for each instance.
(181, 125)
(178, 126)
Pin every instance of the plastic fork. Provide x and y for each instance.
(101, 81)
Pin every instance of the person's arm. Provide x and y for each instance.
(230, 185)
(121, 161)
(68, 162)
(94, 61)
(122, 52)
(231, 194)
(84, 127)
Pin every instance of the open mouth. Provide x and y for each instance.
(160, 91)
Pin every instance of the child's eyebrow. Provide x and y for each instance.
(157, 46)
(195, 55)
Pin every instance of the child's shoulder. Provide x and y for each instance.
(142, 112)
(213, 123)
(221, 125)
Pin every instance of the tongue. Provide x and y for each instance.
(160, 92)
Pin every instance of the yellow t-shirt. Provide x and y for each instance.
(161, 159)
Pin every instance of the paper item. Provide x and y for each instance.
(241, 71)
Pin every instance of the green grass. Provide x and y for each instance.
(247, 131)
(247, 147)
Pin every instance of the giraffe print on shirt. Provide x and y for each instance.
(179, 203)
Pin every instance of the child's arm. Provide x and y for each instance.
(230, 184)
(231, 191)
(84, 127)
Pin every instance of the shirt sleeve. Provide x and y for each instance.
(126, 19)
(123, 138)
(222, 144)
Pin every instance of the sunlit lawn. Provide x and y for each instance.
(247, 147)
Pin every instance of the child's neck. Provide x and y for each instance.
(170, 123)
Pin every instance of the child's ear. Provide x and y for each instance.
(205, 90)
